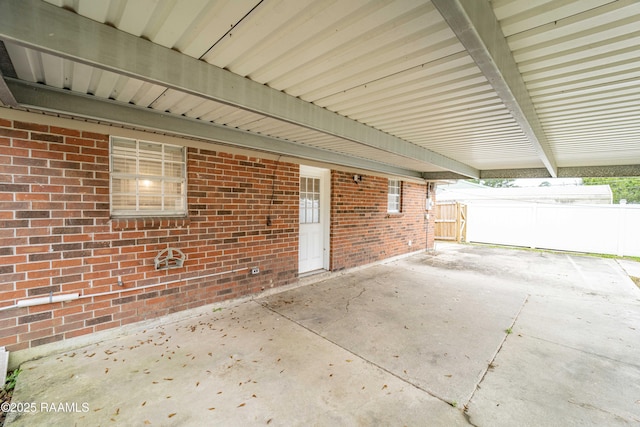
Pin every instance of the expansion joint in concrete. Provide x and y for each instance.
(382, 368)
(490, 364)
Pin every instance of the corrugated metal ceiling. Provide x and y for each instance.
(396, 66)
(581, 64)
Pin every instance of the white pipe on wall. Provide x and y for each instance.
(75, 296)
(47, 300)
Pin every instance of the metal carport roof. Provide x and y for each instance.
(424, 89)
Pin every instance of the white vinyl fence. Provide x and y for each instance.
(603, 229)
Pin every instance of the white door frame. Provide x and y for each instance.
(325, 206)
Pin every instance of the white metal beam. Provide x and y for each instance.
(478, 29)
(41, 97)
(38, 25)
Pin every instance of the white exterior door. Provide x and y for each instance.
(313, 253)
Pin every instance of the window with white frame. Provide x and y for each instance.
(309, 200)
(393, 196)
(147, 178)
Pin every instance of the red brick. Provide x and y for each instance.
(108, 325)
(8, 260)
(32, 196)
(74, 287)
(30, 284)
(97, 136)
(30, 144)
(47, 155)
(46, 137)
(47, 188)
(33, 266)
(30, 126)
(64, 131)
(8, 323)
(42, 273)
(12, 133)
(78, 332)
(7, 341)
(17, 347)
(66, 264)
(46, 340)
(45, 324)
(65, 311)
(14, 151)
(41, 333)
(12, 295)
(79, 317)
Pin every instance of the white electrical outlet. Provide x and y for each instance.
(255, 270)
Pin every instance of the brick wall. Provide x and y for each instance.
(361, 229)
(56, 235)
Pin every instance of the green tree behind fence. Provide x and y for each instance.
(622, 188)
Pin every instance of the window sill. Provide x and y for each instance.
(394, 214)
(148, 223)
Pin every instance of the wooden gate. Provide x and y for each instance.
(451, 221)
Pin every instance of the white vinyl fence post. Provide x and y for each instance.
(622, 226)
(534, 227)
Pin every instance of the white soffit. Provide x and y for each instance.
(107, 84)
(395, 66)
(580, 61)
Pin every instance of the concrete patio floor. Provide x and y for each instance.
(468, 335)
